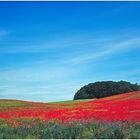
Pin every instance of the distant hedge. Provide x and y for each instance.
(104, 89)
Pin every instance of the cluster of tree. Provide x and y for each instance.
(104, 89)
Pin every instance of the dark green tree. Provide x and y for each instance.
(104, 89)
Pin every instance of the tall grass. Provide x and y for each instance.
(71, 130)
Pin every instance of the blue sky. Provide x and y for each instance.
(48, 50)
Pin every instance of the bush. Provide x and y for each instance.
(104, 89)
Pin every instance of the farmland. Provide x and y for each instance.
(116, 116)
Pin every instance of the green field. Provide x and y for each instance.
(70, 101)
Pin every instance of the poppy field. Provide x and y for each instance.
(116, 116)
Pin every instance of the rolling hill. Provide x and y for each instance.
(124, 107)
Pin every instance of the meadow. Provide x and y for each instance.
(116, 116)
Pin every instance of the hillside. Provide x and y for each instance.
(113, 117)
(117, 107)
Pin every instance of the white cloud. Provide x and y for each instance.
(111, 49)
(53, 82)
(48, 92)
(51, 46)
(36, 73)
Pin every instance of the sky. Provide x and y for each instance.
(49, 50)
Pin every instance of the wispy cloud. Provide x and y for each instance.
(36, 73)
(41, 91)
(39, 82)
(3, 33)
(50, 46)
(111, 49)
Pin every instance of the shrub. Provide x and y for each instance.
(104, 89)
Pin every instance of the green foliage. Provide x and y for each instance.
(134, 132)
(138, 87)
(112, 133)
(104, 89)
(73, 130)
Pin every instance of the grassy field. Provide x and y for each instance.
(70, 101)
(116, 116)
